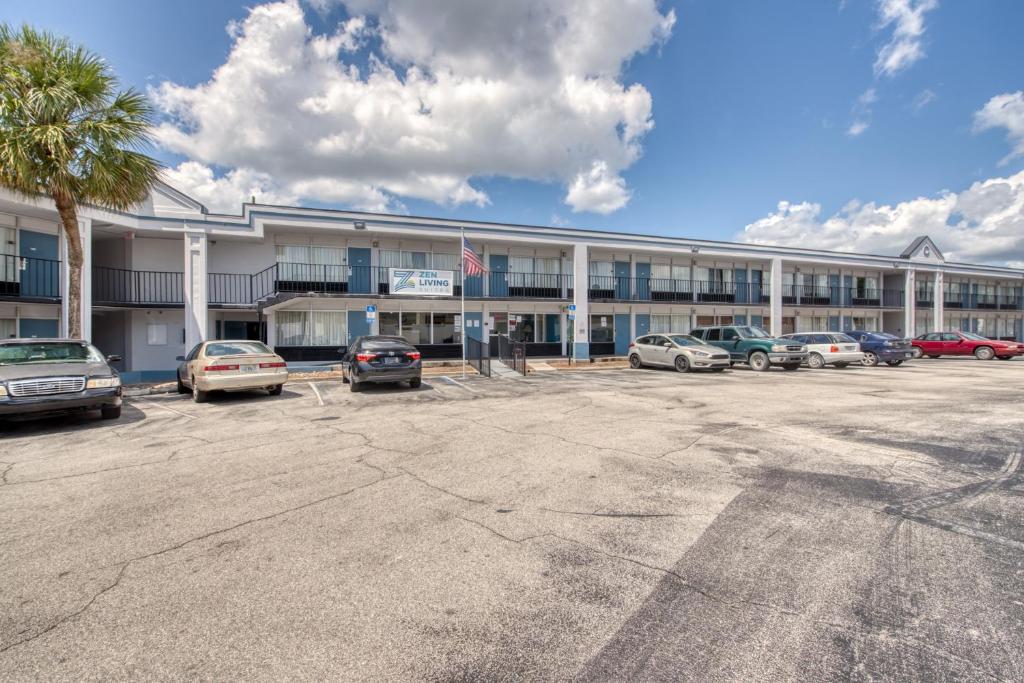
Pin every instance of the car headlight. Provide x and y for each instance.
(779, 348)
(3, 391)
(702, 354)
(103, 382)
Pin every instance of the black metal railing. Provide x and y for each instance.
(478, 355)
(230, 288)
(142, 287)
(512, 353)
(27, 277)
(616, 288)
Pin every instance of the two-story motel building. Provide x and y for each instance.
(169, 274)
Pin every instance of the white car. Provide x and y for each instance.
(829, 348)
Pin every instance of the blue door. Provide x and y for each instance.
(29, 328)
(848, 324)
(833, 323)
(834, 292)
(847, 293)
(475, 326)
(499, 275)
(643, 324)
(755, 286)
(552, 328)
(622, 280)
(742, 291)
(622, 334)
(757, 320)
(643, 281)
(358, 325)
(41, 274)
(359, 268)
(739, 320)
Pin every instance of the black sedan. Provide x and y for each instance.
(40, 376)
(381, 359)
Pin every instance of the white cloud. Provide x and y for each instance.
(905, 46)
(982, 224)
(1004, 111)
(454, 90)
(862, 112)
(226, 193)
(923, 99)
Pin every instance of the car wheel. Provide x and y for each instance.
(110, 412)
(815, 361)
(759, 361)
(894, 363)
(634, 362)
(916, 352)
(197, 395)
(182, 389)
(275, 390)
(791, 366)
(682, 363)
(415, 382)
(870, 359)
(984, 353)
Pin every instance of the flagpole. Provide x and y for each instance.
(462, 319)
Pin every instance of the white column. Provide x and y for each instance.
(271, 329)
(195, 285)
(939, 299)
(581, 287)
(563, 319)
(85, 235)
(909, 302)
(775, 291)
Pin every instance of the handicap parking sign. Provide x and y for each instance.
(371, 313)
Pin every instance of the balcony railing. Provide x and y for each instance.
(140, 287)
(26, 277)
(615, 288)
(230, 288)
(847, 297)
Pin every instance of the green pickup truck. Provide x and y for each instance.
(754, 346)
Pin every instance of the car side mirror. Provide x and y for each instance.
(114, 359)
(736, 342)
(177, 358)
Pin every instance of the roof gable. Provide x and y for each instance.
(923, 249)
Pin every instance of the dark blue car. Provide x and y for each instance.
(882, 347)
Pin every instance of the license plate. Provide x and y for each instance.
(248, 368)
(388, 360)
(849, 348)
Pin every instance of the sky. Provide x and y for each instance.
(853, 125)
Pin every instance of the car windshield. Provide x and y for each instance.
(685, 340)
(752, 332)
(49, 352)
(975, 337)
(236, 348)
(883, 335)
(839, 337)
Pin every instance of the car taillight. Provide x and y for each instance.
(218, 368)
(272, 365)
(834, 349)
(413, 355)
(632, 345)
(364, 357)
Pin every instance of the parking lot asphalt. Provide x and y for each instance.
(858, 523)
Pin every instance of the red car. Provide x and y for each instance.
(935, 344)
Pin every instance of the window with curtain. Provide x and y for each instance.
(923, 286)
(8, 328)
(311, 328)
(866, 323)
(601, 273)
(301, 263)
(549, 328)
(663, 323)
(788, 282)
(670, 278)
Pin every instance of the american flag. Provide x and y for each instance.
(470, 261)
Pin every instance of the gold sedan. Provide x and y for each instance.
(230, 365)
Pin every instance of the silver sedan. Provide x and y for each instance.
(680, 351)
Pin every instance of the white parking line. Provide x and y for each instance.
(317, 392)
(457, 383)
(167, 408)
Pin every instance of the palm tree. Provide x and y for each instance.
(68, 133)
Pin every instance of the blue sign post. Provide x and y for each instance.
(572, 311)
(371, 313)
